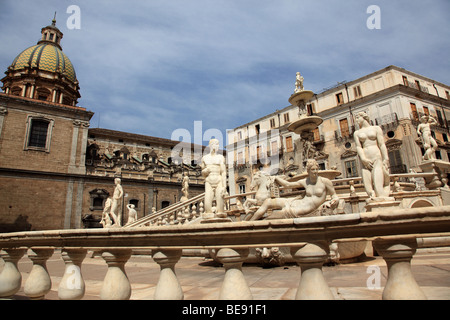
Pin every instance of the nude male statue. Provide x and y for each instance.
(424, 131)
(116, 205)
(214, 172)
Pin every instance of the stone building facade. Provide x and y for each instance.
(55, 171)
(394, 99)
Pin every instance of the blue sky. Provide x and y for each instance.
(151, 67)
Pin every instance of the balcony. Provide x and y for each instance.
(395, 235)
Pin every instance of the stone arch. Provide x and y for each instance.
(421, 203)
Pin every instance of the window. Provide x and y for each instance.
(286, 118)
(418, 84)
(357, 92)
(165, 204)
(316, 134)
(311, 109)
(135, 202)
(439, 117)
(38, 136)
(447, 94)
(340, 98)
(405, 81)
(257, 129)
(426, 111)
(274, 147)
(414, 111)
(272, 123)
(350, 169)
(239, 134)
(343, 124)
(241, 188)
(289, 145)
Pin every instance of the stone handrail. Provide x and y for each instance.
(180, 212)
(394, 234)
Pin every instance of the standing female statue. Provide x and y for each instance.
(373, 154)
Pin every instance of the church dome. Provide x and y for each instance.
(43, 71)
(46, 57)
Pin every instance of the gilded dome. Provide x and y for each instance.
(46, 57)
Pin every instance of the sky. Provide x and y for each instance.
(154, 67)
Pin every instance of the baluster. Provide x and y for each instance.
(72, 286)
(38, 283)
(10, 278)
(187, 214)
(400, 284)
(194, 212)
(234, 286)
(201, 209)
(116, 285)
(311, 258)
(168, 287)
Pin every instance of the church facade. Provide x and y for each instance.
(55, 171)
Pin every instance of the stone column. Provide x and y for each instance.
(400, 284)
(116, 285)
(234, 286)
(38, 283)
(72, 285)
(10, 278)
(311, 258)
(168, 287)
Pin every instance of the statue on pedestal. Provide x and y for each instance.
(132, 214)
(424, 132)
(373, 154)
(185, 187)
(214, 172)
(299, 83)
(116, 205)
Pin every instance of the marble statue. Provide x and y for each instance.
(106, 221)
(261, 182)
(424, 132)
(185, 187)
(214, 172)
(132, 214)
(317, 189)
(116, 205)
(373, 154)
(299, 83)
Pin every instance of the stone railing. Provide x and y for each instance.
(394, 234)
(178, 213)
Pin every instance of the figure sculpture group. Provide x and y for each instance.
(318, 197)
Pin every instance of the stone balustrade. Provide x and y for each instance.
(394, 234)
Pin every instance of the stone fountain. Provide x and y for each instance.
(304, 127)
